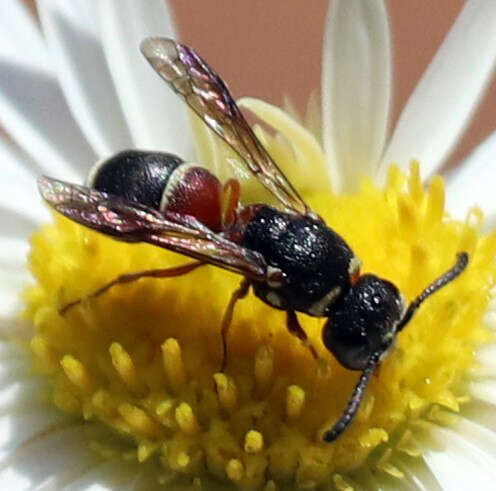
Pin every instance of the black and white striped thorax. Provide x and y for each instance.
(315, 261)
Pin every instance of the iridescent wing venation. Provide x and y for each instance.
(205, 92)
(132, 222)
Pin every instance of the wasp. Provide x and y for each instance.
(291, 259)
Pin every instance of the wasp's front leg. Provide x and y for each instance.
(295, 329)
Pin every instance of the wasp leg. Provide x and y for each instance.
(128, 278)
(294, 328)
(231, 193)
(238, 294)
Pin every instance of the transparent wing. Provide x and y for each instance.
(205, 92)
(132, 222)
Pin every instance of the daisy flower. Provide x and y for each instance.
(124, 392)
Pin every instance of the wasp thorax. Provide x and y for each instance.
(364, 321)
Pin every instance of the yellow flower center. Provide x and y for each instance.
(144, 357)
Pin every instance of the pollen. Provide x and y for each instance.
(295, 400)
(124, 366)
(143, 359)
(253, 442)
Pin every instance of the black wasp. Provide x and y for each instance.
(292, 259)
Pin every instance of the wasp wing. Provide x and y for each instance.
(131, 222)
(205, 92)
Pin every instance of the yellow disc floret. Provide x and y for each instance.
(144, 358)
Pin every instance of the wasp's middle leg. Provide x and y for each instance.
(295, 328)
(238, 294)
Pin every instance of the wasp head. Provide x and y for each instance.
(364, 321)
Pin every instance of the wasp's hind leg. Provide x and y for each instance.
(238, 294)
(295, 329)
(128, 278)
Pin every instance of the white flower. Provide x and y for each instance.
(82, 92)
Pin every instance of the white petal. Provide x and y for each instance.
(490, 221)
(8, 351)
(21, 195)
(446, 96)
(11, 286)
(484, 391)
(34, 113)
(304, 142)
(476, 434)
(460, 463)
(21, 211)
(486, 356)
(473, 182)
(155, 115)
(20, 39)
(32, 108)
(43, 449)
(482, 412)
(18, 191)
(66, 454)
(21, 425)
(73, 39)
(305, 146)
(24, 416)
(356, 89)
(417, 474)
(16, 160)
(113, 475)
(14, 276)
(17, 366)
(13, 252)
(14, 224)
(490, 315)
(19, 394)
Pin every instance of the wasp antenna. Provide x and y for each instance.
(354, 403)
(458, 268)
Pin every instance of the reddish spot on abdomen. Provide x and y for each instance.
(197, 192)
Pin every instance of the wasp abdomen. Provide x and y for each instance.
(137, 176)
(161, 181)
(193, 190)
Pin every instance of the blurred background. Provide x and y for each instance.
(271, 48)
